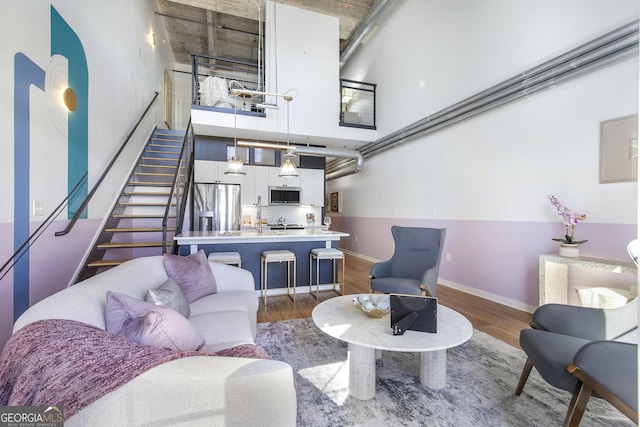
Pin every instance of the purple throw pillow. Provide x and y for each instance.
(192, 273)
(148, 324)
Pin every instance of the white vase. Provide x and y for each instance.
(569, 250)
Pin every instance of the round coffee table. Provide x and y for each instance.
(339, 318)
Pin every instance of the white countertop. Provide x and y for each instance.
(226, 237)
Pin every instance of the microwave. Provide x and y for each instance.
(284, 195)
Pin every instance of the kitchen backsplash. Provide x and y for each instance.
(294, 214)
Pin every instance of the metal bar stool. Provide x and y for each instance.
(331, 254)
(231, 258)
(277, 256)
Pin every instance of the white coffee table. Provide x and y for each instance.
(339, 318)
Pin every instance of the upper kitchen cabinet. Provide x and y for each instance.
(213, 172)
(255, 186)
(311, 187)
(279, 181)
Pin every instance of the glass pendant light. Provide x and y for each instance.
(235, 167)
(287, 167)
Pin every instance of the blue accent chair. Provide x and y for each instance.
(586, 351)
(413, 268)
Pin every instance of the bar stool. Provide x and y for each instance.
(326, 253)
(277, 256)
(231, 258)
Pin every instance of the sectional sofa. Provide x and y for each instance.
(81, 348)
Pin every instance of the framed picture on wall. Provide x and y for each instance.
(335, 202)
(619, 149)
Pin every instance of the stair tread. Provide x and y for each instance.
(164, 159)
(144, 193)
(106, 263)
(150, 183)
(144, 165)
(173, 153)
(153, 174)
(143, 204)
(139, 216)
(138, 229)
(131, 245)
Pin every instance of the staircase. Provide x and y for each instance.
(134, 227)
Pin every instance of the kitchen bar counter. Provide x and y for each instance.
(251, 243)
(196, 238)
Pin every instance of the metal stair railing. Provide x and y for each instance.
(84, 204)
(180, 187)
(11, 262)
(33, 237)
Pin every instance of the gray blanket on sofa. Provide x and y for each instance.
(71, 364)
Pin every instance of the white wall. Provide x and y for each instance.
(493, 172)
(124, 70)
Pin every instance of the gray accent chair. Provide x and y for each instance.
(586, 351)
(607, 369)
(413, 268)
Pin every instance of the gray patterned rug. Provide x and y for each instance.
(482, 375)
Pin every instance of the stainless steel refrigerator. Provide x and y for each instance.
(217, 207)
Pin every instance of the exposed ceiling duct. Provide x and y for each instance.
(367, 26)
(610, 48)
(355, 158)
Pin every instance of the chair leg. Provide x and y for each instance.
(528, 365)
(578, 405)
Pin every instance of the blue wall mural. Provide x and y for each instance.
(64, 42)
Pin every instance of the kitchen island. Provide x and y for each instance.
(251, 243)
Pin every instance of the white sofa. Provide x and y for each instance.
(197, 390)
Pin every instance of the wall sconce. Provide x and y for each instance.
(70, 100)
(152, 39)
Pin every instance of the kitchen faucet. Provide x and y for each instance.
(259, 214)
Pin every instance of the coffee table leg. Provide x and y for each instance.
(433, 368)
(362, 372)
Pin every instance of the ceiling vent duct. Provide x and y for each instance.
(353, 160)
(365, 29)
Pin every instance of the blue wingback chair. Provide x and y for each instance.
(413, 268)
(586, 351)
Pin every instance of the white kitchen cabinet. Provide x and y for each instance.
(213, 172)
(279, 181)
(311, 187)
(254, 185)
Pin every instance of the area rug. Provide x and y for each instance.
(482, 375)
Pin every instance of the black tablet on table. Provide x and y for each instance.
(414, 313)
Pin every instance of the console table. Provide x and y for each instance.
(554, 274)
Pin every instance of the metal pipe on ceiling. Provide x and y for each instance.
(610, 48)
(356, 158)
(356, 164)
(366, 26)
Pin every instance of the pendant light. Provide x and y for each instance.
(287, 167)
(235, 167)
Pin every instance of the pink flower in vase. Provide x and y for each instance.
(570, 220)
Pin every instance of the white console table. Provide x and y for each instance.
(554, 274)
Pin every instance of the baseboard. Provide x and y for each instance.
(467, 289)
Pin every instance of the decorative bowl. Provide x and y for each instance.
(374, 306)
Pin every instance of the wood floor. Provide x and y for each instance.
(497, 320)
